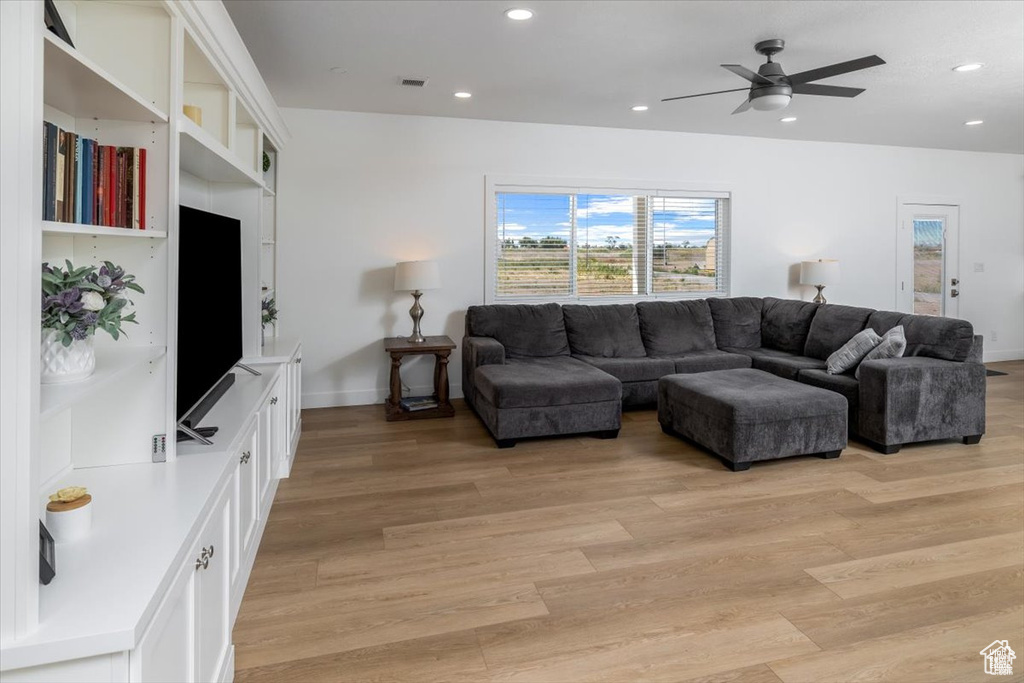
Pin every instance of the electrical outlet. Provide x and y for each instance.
(994, 336)
(159, 448)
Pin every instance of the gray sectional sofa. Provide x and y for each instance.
(545, 369)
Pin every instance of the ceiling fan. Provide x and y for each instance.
(771, 89)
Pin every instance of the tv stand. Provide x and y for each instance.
(200, 434)
(248, 369)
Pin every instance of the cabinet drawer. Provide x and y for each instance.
(246, 499)
(212, 565)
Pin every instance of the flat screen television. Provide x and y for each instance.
(209, 311)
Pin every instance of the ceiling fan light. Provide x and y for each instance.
(771, 102)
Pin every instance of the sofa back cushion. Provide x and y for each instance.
(611, 331)
(785, 324)
(737, 321)
(525, 330)
(833, 326)
(674, 328)
(932, 336)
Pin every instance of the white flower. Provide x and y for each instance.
(92, 301)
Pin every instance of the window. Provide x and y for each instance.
(557, 243)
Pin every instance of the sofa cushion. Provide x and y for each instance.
(833, 326)
(935, 337)
(706, 361)
(674, 328)
(538, 382)
(525, 330)
(785, 323)
(632, 369)
(845, 384)
(891, 345)
(737, 321)
(785, 365)
(849, 355)
(611, 331)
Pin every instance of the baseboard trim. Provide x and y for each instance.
(365, 397)
(997, 356)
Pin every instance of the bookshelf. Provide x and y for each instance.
(124, 83)
(268, 231)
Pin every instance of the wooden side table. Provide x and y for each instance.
(398, 347)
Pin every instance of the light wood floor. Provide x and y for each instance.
(419, 552)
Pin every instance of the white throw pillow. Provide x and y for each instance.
(847, 356)
(893, 344)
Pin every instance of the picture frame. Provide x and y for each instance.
(53, 22)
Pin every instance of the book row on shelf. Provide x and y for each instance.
(92, 184)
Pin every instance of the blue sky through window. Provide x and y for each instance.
(600, 217)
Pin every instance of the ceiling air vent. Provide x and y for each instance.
(414, 82)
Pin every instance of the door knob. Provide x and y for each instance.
(954, 282)
(954, 293)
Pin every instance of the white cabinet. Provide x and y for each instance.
(293, 403)
(166, 652)
(189, 637)
(211, 505)
(246, 508)
(213, 591)
(269, 436)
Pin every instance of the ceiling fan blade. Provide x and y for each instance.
(836, 69)
(743, 107)
(744, 72)
(703, 94)
(826, 90)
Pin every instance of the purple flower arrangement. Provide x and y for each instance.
(77, 301)
(269, 312)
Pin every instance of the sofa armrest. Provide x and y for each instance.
(903, 400)
(977, 352)
(477, 351)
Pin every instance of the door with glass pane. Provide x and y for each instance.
(927, 271)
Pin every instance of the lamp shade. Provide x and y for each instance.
(820, 272)
(414, 275)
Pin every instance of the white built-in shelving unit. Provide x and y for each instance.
(134, 65)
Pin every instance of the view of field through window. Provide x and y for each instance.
(590, 245)
(928, 244)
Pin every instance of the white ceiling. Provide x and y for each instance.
(587, 63)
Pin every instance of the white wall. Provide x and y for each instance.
(359, 192)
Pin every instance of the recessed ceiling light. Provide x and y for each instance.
(463, 95)
(519, 14)
(788, 119)
(973, 66)
(975, 122)
(639, 107)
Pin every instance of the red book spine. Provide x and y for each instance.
(122, 188)
(101, 170)
(142, 188)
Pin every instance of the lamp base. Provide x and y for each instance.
(416, 313)
(820, 299)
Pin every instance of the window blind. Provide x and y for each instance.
(580, 245)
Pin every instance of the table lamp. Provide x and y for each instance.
(414, 276)
(819, 273)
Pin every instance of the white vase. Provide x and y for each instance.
(59, 363)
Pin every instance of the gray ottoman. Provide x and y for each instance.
(746, 415)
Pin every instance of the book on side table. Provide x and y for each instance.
(415, 403)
